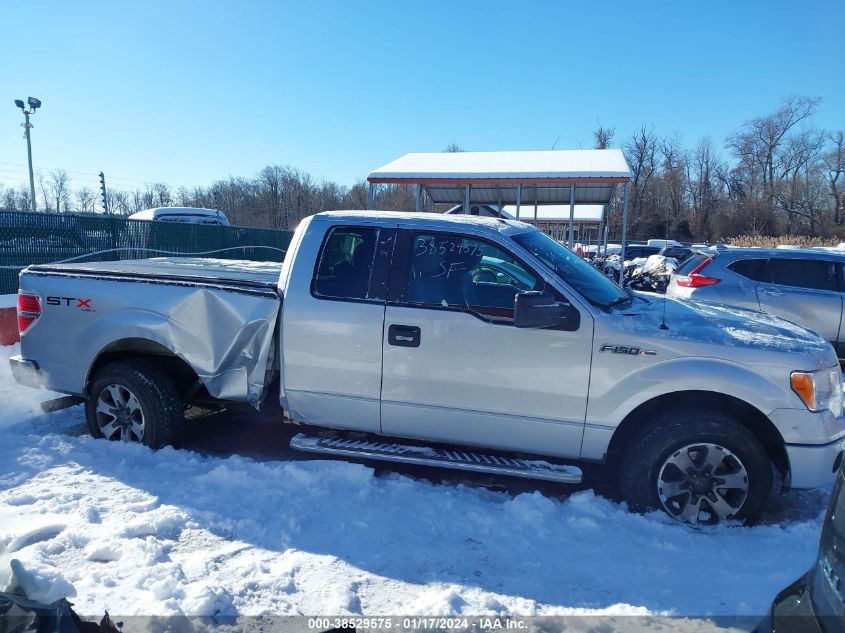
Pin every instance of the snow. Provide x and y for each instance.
(38, 582)
(584, 163)
(164, 532)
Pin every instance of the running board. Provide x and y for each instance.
(438, 457)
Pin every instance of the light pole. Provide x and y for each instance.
(34, 104)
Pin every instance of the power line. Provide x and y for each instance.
(88, 173)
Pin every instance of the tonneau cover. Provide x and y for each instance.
(188, 268)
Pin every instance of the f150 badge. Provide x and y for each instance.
(630, 351)
(71, 302)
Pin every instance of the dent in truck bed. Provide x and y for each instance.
(219, 316)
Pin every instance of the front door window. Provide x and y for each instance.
(458, 272)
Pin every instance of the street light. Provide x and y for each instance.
(34, 104)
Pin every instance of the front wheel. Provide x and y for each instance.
(135, 401)
(699, 467)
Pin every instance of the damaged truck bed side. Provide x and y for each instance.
(448, 340)
(217, 316)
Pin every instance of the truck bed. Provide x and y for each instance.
(230, 274)
(217, 315)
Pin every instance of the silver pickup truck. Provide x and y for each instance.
(454, 341)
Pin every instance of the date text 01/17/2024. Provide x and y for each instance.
(417, 623)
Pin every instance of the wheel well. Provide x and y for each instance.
(748, 415)
(181, 372)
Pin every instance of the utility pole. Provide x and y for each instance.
(34, 104)
(103, 193)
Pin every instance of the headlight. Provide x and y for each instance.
(819, 390)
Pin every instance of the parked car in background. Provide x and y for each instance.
(815, 603)
(679, 253)
(803, 285)
(662, 243)
(184, 215)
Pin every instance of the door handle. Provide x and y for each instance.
(403, 335)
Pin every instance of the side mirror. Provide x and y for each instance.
(541, 310)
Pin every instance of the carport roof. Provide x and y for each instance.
(494, 177)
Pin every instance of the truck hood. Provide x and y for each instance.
(710, 324)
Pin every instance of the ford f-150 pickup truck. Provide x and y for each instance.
(448, 340)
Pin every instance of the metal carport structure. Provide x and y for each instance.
(525, 178)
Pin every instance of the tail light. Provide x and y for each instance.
(29, 309)
(695, 279)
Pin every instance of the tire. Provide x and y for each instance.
(712, 448)
(136, 401)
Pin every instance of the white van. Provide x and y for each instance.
(184, 215)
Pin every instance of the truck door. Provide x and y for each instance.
(333, 317)
(455, 367)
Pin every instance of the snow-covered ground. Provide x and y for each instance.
(124, 528)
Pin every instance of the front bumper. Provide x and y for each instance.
(811, 466)
(26, 372)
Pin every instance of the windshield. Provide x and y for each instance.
(588, 281)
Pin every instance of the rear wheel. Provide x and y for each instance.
(135, 401)
(700, 467)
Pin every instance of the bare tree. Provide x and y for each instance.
(759, 139)
(120, 202)
(834, 168)
(86, 201)
(161, 195)
(603, 136)
(357, 197)
(640, 152)
(797, 188)
(673, 175)
(9, 199)
(453, 148)
(44, 188)
(271, 181)
(703, 185)
(60, 190)
(24, 198)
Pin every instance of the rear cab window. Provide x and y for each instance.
(346, 265)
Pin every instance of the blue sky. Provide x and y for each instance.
(189, 92)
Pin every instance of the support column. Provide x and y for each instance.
(518, 198)
(371, 197)
(624, 232)
(600, 230)
(419, 198)
(467, 197)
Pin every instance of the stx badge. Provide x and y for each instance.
(71, 302)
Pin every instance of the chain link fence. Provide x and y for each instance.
(45, 238)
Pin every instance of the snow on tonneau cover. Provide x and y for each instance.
(218, 315)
